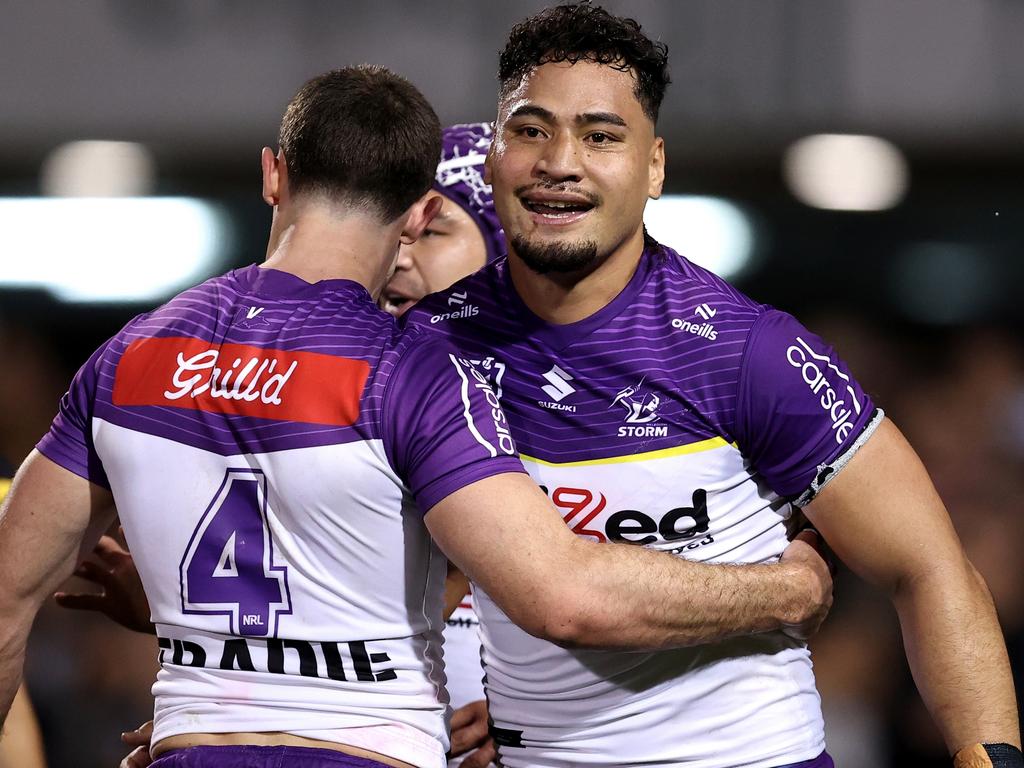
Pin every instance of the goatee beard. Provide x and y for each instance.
(560, 258)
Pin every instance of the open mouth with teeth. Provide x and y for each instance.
(557, 210)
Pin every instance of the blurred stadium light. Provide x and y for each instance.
(99, 169)
(117, 249)
(845, 172)
(709, 231)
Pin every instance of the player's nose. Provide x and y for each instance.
(559, 159)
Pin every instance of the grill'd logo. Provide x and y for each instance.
(241, 380)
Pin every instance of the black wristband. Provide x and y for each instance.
(1004, 755)
(989, 756)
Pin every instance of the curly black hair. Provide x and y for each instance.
(580, 31)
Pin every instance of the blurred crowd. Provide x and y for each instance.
(957, 394)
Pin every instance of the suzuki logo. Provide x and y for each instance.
(705, 311)
(559, 388)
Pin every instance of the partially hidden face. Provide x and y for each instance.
(450, 248)
(574, 161)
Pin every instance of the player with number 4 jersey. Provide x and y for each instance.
(270, 561)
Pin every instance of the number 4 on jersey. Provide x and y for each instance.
(228, 567)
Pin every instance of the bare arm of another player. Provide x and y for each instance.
(43, 521)
(884, 519)
(574, 592)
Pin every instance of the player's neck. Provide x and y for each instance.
(318, 243)
(563, 298)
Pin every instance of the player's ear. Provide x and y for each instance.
(487, 163)
(656, 170)
(273, 169)
(419, 217)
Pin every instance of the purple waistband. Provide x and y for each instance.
(261, 757)
(824, 760)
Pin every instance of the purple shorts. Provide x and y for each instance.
(823, 760)
(261, 757)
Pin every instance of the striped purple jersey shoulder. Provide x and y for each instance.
(259, 361)
(677, 358)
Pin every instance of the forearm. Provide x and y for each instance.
(957, 656)
(13, 635)
(22, 743)
(634, 598)
(42, 523)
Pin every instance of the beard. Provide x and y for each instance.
(559, 258)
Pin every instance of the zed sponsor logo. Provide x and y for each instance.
(681, 526)
(838, 400)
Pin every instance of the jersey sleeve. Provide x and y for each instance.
(800, 414)
(69, 441)
(442, 423)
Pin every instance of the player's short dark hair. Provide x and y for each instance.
(580, 31)
(362, 136)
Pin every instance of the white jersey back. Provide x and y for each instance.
(270, 445)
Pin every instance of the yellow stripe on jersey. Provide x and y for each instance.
(702, 445)
(5, 485)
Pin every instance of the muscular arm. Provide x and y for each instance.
(578, 593)
(43, 521)
(883, 518)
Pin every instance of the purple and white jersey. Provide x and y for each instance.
(272, 446)
(683, 417)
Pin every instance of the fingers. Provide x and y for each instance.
(469, 728)
(140, 736)
(137, 758)
(109, 551)
(93, 572)
(482, 757)
(80, 601)
(809, 535)
(468, 713)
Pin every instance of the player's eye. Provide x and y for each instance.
(532, 132)
(600, 138)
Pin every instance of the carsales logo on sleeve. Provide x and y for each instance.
(837, 398)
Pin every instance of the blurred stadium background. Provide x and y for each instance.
(857, 162)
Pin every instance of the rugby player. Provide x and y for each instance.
(461, 238)
(278, 454)
(655, 404)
